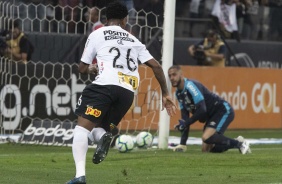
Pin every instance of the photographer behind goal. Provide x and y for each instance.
(210, 51)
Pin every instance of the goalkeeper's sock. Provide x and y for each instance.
(79, 149)
(222, 140)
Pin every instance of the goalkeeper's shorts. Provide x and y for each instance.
(221, 117)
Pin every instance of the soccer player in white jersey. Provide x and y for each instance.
(110, 95)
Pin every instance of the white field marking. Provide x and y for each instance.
(135, 149)
(36, 154)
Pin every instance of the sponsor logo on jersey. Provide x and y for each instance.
(119, 38)
(192, 89)
(116, 35)
(93, 112)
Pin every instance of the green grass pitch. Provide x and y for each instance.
(50, 164)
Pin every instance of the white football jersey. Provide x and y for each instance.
(117, 53)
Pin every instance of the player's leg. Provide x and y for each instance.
(112, 127)
(104, 127)
(207, 147)
(243, 140)
(243, 145)
(119, 110)
(120, 106)
(102, 149)
(122, 100)
(80, 147)
(97, 132)
(89, 109)
(208, 132)
(101, 135)
(220, 142)
(215, 128)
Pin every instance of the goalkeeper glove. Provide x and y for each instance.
(180, 148)
(181, 126)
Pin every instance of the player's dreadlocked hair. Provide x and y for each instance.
(116, 10)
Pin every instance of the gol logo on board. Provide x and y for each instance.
(93, 112)
(264, 98)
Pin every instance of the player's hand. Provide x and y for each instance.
(181, 126)
(180, 148)
(169, 105)
(93, 69)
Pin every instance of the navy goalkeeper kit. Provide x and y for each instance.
(197, 103)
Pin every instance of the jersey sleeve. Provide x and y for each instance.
(195, 92)
(184, 113)
(89, 52)
(144, 55)
(199, 102)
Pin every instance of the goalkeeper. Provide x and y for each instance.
(208, 108)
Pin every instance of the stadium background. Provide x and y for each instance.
(43, 92)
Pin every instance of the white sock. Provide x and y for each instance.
(79, 149)
(90, 136)
(96, 134)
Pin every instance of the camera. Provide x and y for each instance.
(200, 55)
(4, 34)
(3, 44)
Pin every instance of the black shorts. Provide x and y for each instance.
(221, 118)
(104, 104)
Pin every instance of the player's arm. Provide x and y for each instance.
(146, 58)
(159, 74)
(199, 113)
(185, 132)
(199, 101)
(85, 68)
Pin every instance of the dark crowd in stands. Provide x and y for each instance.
(256, 19)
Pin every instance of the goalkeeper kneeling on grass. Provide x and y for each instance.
(197, 103)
